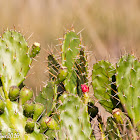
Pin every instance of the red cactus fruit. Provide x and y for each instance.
(84, 88)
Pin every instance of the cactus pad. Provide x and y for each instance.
(101, 81)
(74, 119)
(70, 52)
(14, 59)
(127, 81)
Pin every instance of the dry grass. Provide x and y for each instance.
(110, 27)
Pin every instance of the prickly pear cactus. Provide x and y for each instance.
(13, 123)
(73, 117)
(69, 110)
(18, 117)
(64, 109)
(15, 59)
(125, 79)
(71, 106)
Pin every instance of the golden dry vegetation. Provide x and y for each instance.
(111, 27)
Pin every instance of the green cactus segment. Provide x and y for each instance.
(35, 49)
(74, 119)
(48, 123)
(127, 81)
(30, 124)
(81, 70)
(28, 109)
(48, 96)
(70, 51)
(101, 81)
(14, 59)
(13, 93)
(38, 110)
(25, 95)
(71, 83)
(53, 67)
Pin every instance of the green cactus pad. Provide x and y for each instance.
(128, 81)
(38, 110)
(14, 64)
(74, 119)
(101, 81)
(70, 52)
(14, 59)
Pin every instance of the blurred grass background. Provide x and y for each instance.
(110, 27)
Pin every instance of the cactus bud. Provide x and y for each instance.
(62, 74)
(51, 123)
(13, 93)
(43, 125)
(30, 124)
(35, 49)
(48, 122)
(25, 94)
(84, 88)
(118, 115)
(28, 109)
(38, 109)
(2, 106)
